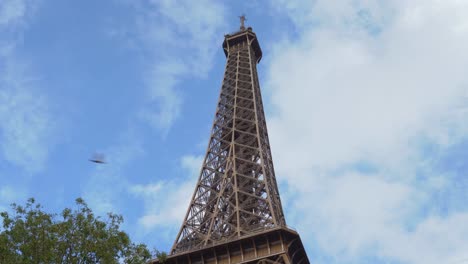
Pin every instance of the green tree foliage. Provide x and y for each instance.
(30, 235)
(161, 256)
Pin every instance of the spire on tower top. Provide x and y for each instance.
(242, 20)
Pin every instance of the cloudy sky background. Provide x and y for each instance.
(366, 101)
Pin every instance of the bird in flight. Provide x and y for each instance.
(98, 158)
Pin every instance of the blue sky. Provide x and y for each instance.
(366, 101)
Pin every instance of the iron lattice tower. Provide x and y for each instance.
(235, 215)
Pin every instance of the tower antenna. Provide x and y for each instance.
(242, 21)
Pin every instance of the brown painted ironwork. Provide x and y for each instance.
(236, 198)
(278, 245)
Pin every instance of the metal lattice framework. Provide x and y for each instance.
(236, 194)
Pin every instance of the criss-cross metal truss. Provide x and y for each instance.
(236, 194)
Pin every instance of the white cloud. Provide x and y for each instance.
(26, 125)
(12, 12)
(371, 82)
(180, 39)
(436, 240)
(165, 102)
(14, 17)
(167, 201)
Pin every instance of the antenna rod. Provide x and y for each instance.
(242, 20)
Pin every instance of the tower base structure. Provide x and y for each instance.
(278, 245)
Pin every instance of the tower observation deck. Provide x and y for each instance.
(235, 215)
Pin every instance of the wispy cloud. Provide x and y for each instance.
(14, 12)
(166, 201)
(361, 118)
(26, 124)
(179, 40)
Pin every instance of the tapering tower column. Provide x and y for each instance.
(235, 215)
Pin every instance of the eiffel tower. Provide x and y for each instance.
(235, 215)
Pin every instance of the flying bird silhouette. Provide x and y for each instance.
(98, 158)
